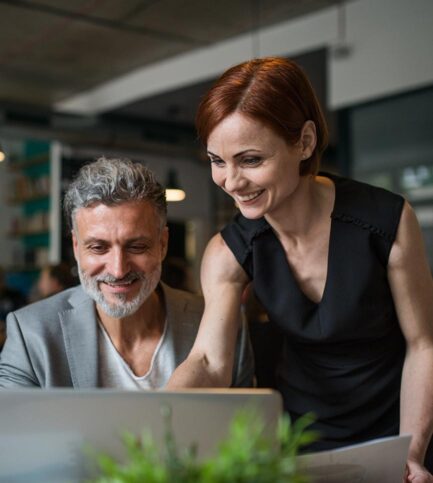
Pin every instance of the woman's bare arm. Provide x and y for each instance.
(412, 288)
(210, 362)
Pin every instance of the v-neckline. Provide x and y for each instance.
(295, 282)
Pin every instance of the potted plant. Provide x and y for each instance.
(246, 455)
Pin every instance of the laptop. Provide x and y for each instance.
(44, 433)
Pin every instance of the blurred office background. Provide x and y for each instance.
(82, 78)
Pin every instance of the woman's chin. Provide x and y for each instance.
(251, 214)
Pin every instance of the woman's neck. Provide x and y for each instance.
(311, 203)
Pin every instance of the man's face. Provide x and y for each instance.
(119, 250)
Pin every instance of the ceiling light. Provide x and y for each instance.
(2, 154)
(173, 191)
(341, 48)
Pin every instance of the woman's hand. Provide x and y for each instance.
(415, 473)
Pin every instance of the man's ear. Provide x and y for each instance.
(74, 244)
(308, 139)
(164, 242)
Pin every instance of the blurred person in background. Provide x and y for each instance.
(53, 279)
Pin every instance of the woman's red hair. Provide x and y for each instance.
(273, 90)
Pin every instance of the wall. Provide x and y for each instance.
(390, 51)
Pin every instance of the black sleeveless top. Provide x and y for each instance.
(341, 358)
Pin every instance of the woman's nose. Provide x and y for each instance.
(234, 180)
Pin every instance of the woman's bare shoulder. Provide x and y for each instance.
(219, 262)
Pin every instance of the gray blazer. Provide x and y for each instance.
(54, 342)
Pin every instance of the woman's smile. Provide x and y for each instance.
(245, 198)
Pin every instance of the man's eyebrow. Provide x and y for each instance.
(94, 239)
(146, 239)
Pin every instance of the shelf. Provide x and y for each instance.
(30, 192)
(28, 199)
(21, 234)
(18, 165)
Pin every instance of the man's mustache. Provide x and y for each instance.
(129, 277)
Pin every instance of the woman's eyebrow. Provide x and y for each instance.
(237, 154)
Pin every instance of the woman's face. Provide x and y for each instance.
(253, 164)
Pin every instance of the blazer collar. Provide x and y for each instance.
(80, 334)
(174, 305)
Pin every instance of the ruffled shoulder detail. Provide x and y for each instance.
(367, 207)
(363, 224)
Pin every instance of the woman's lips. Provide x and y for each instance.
(250, 197)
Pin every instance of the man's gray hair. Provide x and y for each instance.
(113, 182)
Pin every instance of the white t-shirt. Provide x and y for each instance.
(114, 372)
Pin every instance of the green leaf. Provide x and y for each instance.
(246, 455)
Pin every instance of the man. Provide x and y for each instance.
(121, 327)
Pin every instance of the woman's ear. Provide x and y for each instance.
(308, 139)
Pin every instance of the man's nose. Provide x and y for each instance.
(118, 263)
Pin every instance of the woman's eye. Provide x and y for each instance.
(216, 161)
(251, 161)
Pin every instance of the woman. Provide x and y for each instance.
(339, 266)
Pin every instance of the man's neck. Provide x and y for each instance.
(145, 324)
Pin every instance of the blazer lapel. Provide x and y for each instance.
(80, 334)
(174, 306)
(182, 322)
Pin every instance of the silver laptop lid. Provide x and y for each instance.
(43, 432)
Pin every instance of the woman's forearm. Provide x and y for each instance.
(417, 400)
(196, 371)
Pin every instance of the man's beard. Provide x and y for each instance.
(123, 308)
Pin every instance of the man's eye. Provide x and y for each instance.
(97, 248)
(138, 248)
